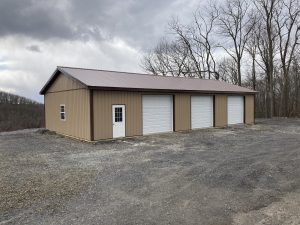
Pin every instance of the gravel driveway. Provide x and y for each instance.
(242, 175)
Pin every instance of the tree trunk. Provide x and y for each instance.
(286, 95)
(239, 72)
(269, 101)
(253, 73)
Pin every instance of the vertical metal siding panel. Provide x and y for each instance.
(103, 101)
(87, 112)
(182, 112)
(77, 113)
(101, 125)
(72, 128)
(96, 112)
(109, 96)
(128, 109)
(249, 109)
(139, 116)
(63, 83)
(77, 125)
(221, 111)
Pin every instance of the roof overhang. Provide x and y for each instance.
(168, 90)
(53, 77)
(60, 70)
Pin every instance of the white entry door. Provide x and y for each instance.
(202, 111)
(118, 114)
(235, 109)
(157, 114)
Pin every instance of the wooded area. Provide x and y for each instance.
(249, 43)
(17, 112)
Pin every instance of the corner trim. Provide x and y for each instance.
(244, 109)
(92, 114)
(45, 112)
(174, 113)
(214, 111)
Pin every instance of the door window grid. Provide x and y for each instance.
(118, 114)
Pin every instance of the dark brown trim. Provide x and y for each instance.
(214, 111)
(254, 108)
(142, 116)
(191, 112)
(244, 97)
(172, 91)
(92, 114)
(51, 92)
(54, 76)
(49, 82)
(174, 114)
(44, 112)
(60, 69)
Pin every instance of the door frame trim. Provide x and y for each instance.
(172, 95)
(124, 119)
(243, 107)
(213, 110)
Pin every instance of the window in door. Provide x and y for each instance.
(118, 114)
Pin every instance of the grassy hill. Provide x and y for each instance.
(17, 112)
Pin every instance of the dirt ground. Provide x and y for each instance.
(242, 175)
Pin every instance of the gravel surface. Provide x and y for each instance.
(241, 175)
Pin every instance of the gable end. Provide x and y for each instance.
(61, 81)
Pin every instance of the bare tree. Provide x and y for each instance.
(268, 30)
(251, 48)
(17, 112)
(295, 88)
(287, 25)
(192, 52)
(167, 59)
(228, 71)
(202, 34)
(236, 24)
(266, 10)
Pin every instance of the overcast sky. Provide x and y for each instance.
(38, 35)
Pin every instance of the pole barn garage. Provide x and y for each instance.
(97, 104)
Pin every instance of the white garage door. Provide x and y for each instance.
(157, 113)
(202, 111)
(235, 109)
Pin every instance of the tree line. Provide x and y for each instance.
(249, 43)
(17, 112)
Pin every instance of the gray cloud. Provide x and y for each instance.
(102, 34)
(139, 22)
(34, 48)
(32, 19)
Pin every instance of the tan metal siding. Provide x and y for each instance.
(63, 83)
(77, 108)
(220, 110)
(249, 109)
(182, 112)
(103, 101)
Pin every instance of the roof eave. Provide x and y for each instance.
(170, 90)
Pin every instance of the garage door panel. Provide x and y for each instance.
(235, 109)
(202, 111)
(157, 113)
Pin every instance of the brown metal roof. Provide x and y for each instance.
(134, 81)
